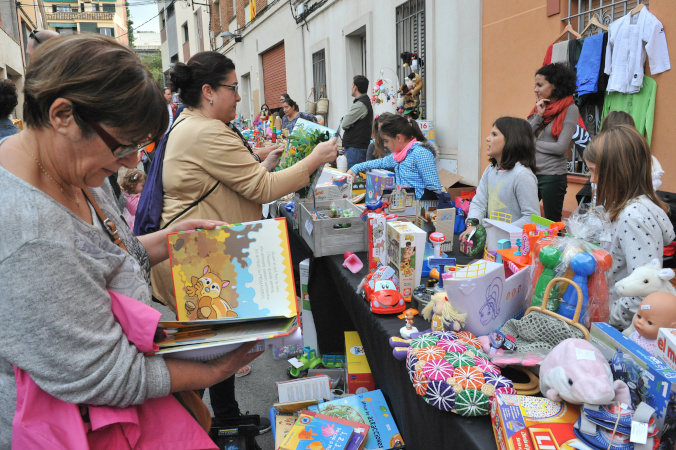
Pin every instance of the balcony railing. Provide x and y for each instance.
(89, 15)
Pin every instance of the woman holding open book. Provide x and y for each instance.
(74, 322)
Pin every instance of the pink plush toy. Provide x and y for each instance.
(577, 372)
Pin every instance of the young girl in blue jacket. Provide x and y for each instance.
(413, 158)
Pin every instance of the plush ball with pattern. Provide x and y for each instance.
(450, 373)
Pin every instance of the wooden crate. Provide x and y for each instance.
(320, 234)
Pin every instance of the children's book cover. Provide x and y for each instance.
(317, 433)
(306, 135)
(233, 273)
(367, 408)
(283, 424)
(361, 430)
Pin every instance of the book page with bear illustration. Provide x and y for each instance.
(233, 273)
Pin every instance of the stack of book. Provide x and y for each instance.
(316, 431)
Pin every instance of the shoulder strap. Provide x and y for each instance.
(108, 224)
(191, 206)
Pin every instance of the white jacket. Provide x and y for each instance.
(625, 53)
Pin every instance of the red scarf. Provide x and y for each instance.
(555, 112)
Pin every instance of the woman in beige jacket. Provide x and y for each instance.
(203, 152)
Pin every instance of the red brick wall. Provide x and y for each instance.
(274, 75)
(240, 12)
(215, 24)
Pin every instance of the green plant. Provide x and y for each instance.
(154, 64)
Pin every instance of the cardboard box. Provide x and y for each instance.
(452, 183)
(489, 299)
(376, 182)
(377, 251)
(405, 249)
(666, 346)
(522, 422)
(333, 192)
(648, 377)
(427, 128)
(359, 377)
(402, 202)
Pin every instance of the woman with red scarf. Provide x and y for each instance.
(554, 120)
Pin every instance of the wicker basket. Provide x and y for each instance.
(310, 106)
(322, 103)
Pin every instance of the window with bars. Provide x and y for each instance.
(319, 73)
(410, 26)
(580, 14)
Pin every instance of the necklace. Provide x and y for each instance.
(74, 199)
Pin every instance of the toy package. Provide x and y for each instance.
(376, 182)
(404, 240)
(359, 376)
(377, 255)
(666, 346)
(649, 379)
(524, 422)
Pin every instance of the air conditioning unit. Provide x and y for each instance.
(297, 2)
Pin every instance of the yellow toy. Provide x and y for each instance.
(443, 315)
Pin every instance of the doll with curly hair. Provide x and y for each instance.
(132, 185)
(443, 315)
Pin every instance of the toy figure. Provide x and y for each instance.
(657, 310)
(407, 329)
(550, 257)
(442, 314)
(577, 372)
(583, 265)
(475, 243)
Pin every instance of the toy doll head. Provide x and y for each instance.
(440, 305)
(657, 310)
(519, 143)
(133, 181)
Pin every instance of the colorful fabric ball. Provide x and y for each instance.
(469, 377)
(452, 346)
(430, 353)
(438, 370)
(425, 340)
(498, 380)
(459, 359)
(481, 360)
(474, 342)
(450, 335)
(441, 395)
(420, 382)
(488, 367)
(471, 403)
(506, 390)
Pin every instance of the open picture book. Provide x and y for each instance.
(304, 137)
(232, 284)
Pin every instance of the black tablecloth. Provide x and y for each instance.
(297, 246)
(337, 308)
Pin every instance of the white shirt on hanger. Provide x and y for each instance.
(626, 54)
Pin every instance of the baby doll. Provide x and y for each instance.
(132, 185)
(657, 310)
(443, 315)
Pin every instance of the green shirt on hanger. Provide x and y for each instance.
(641, 106)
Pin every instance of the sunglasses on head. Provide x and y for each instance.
(119, 150)
(34, 35)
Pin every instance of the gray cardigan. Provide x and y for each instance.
(550, 153)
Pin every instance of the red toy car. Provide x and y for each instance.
(383, 297)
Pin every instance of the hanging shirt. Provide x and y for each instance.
(641, 106)
(560, 52)
(626, 54)
(589, 65)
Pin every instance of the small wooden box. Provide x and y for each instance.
(320, 234)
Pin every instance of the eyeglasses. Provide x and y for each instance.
(234, 87)
(119, 150)
(34, 36)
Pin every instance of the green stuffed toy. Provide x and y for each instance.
(475, 242)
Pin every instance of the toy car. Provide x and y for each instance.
(383, 297)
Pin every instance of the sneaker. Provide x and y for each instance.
(243, 371)
(264, 425)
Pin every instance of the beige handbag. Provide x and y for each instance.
(323, 102)
(310, 106)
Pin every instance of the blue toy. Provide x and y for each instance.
(502, 244)
(440, 263)
(583, 265)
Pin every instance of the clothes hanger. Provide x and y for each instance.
(638, 9)
(568, 29)
(594, 21)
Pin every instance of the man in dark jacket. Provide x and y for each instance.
(357, 123)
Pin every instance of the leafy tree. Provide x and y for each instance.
(153, 62)
(130, 27)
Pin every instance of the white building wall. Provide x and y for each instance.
(453, 63)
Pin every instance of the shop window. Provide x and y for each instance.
(319, 73)
(186, 36)
(580, 13)
(108, 7)
(410, 26)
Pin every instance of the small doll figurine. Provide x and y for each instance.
(407, 329)
(443, 315)
(657, 310)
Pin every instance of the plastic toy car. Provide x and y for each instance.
(383, 297)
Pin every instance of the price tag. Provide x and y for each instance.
(639, 432)
(295, 363)
(308, 226)
(581, 354)
(645, 306)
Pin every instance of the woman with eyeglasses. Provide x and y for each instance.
(204, 154)
(74, 317)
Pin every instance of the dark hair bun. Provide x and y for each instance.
(179, 76)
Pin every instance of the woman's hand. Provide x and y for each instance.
(540, 106)
(467, 232)
(156, 243)
(263, 152)
(193, 224)
(273, 158)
